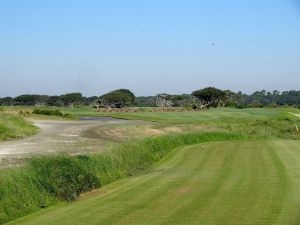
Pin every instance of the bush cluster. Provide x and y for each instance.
(51, 112)
(64, 176)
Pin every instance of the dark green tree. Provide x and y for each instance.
(90, 100)
(70, 99)
(116, 99)
(30, 100)
(207, 97)
(6, 101)
(129, 93)
(54, 101)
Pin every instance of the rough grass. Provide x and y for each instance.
(235, 182)
(51, 178)
(63, 176)
(51, 112)
(255, 122)
(279, 126)
(13, 126)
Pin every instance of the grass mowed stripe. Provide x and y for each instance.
(223, 183)
(289, 153)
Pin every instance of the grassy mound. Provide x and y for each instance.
(12, 126)
(47, 179)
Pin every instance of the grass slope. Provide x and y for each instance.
(47, 179)
(237, 182)
(13, 126)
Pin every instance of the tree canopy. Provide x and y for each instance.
(129, 93)
(31, 100)
(203, 98)
(71, 98)
(209, 96)
(117, 99)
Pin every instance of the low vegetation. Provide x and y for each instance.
(51, 112)
(13, 126)
(254, 122)
(47, 179)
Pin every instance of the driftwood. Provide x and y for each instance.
(294, 114)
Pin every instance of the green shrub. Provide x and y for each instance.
(24, 113)
(51, 112)
(63, 176)
(48, 112)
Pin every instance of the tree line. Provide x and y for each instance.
(69, 99)
(198, 99)
(212, 97)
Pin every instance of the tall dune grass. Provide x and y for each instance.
(13, 126)
(47, 179)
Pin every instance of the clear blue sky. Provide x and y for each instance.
(153, 46)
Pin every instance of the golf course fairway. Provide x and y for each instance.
(234, 182)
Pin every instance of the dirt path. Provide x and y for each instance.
(57, 136)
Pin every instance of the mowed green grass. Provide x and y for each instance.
(14, 126)
(234, 182)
